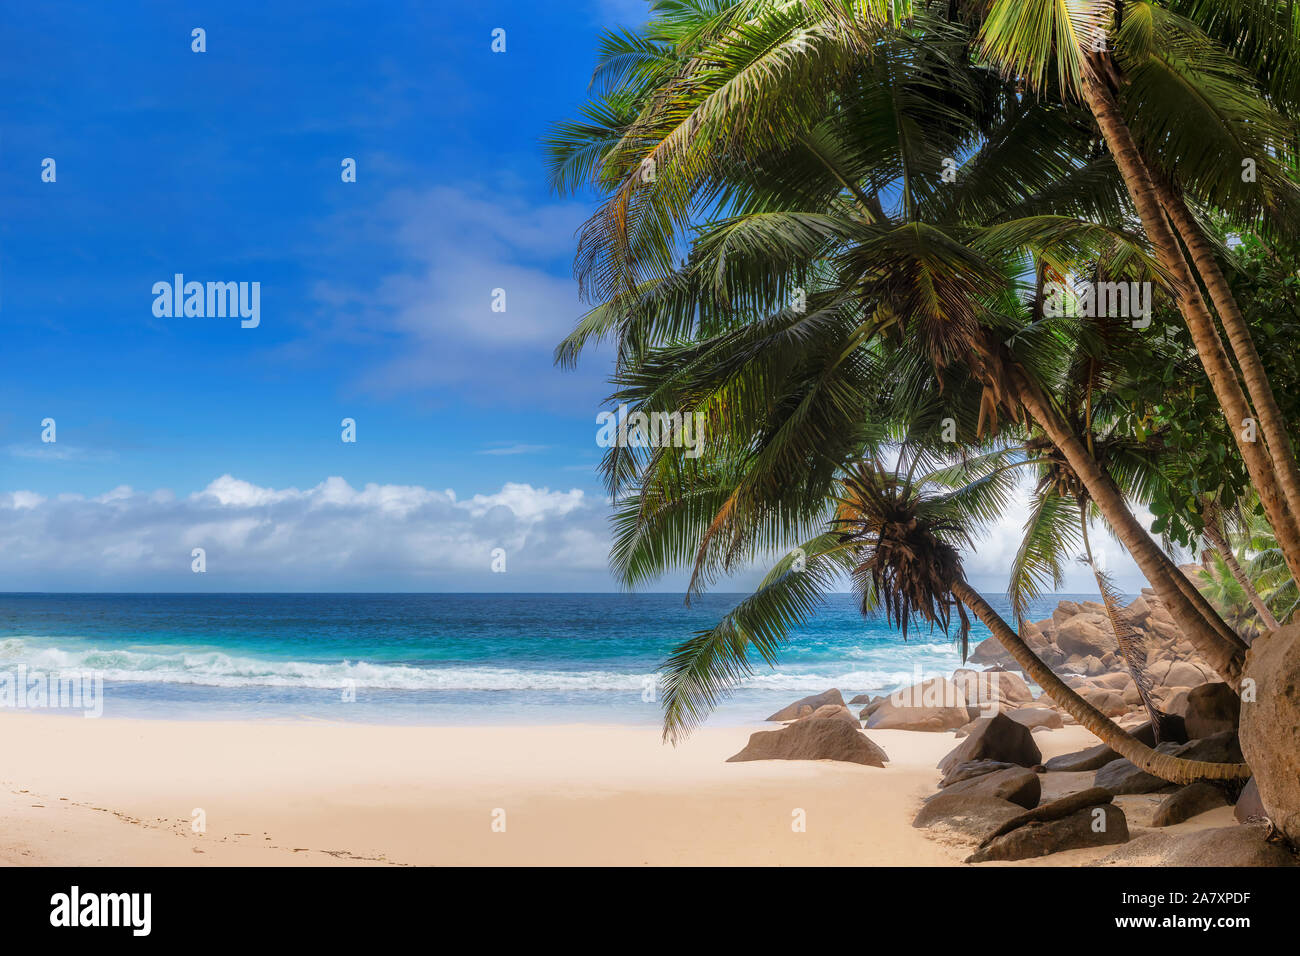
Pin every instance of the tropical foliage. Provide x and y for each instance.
(836, 230)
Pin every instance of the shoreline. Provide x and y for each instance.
(314, 792)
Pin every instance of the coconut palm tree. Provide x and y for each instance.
(897, 532)
(1166, 67)
(1216, 532)
(841, 204)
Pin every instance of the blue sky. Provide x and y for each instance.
(224, 165)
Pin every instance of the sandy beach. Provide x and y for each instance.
(111, 791)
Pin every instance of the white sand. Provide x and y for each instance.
(76, 792)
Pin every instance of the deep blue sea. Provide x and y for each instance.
(434, 658)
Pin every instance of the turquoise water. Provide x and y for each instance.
(434, 658)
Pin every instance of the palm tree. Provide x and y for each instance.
(897, 532)
(867, 111)
(1068, 43)
(1216, 532)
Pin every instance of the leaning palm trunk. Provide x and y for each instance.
(1164, 766)
(1214, 531)
(1126, 637)
(1271, 420)
(1221, 647)
(1205, 335)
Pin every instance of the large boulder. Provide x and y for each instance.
(806, 705)
(992, 690)
(1016, 785)
(996, 738)
(1221, 846)
(936, 704)
(1190, 801)
(969, 817)
(1083, 819)
(1087, 634)
(1270, 725)
(813, 740)
(1211, 709)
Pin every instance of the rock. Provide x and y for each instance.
(1094, 758)
(970, 817)
(1064, 611)
(1100, 825)
(1016, 785)
(990, 651)
(936, 704)
(1270, 726)
(1107, 701)
(1087, 634)
(1249, 807)
(1220, 846)
(1211, 709)
(1218, 748)
(1037, 717)
(872, 706)
(1183, 674)
(860, 699)
(996, 738)
(796, 710)
(1190, 801)
(987, 689)
(813, 740)
(1119, 681)
(972, 768)
(833, 712)
(1122, 776)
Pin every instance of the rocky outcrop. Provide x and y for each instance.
(1270, 725)
(1078, 642)
(996, 738)
(813, 740)
(805, 706)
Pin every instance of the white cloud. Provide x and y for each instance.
(327, 537)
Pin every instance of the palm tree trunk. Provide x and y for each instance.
(1123, 743)
(1127, 639)
(1215, 532)
(1205, 335)
(1221, 647)
(1272, 421)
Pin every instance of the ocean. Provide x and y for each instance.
(438, 659)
